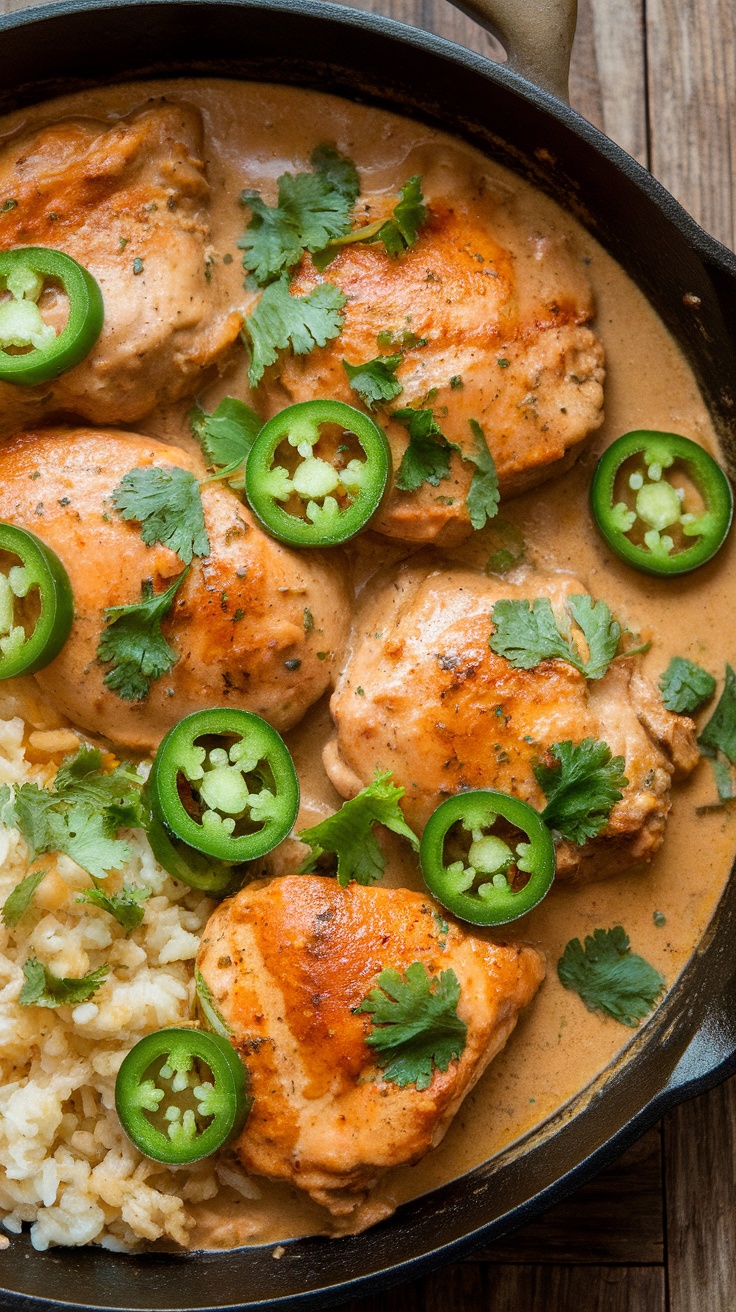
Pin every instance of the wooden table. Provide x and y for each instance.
(656, 1232)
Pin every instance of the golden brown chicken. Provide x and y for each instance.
(500, 316)
(129, 200)
(289, 962)
(239, 623)
(423, 695)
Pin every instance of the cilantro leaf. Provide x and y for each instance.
(609, 977)
(375, 381)
(312, 209)
(125, 906)
(419, 1025)
(281, 320)
(719, 734)
(581, 789)
(43, 989)
(507, 540)
(427, 457)
(80, 816)
(397, 233)
(134, 644)
(685, 686)
(528, 634)
(349, 832)
(209, 1008)
(227, 435)
(483, 496)
(19, 900)
(168, 506)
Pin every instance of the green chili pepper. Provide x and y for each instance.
(36, 603)
(325, 487)
(490, 878)
(223, 783)
(181, 1094)
(661, 502)
(24, 273)
(215, 878)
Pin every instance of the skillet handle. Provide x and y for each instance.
(536, 34)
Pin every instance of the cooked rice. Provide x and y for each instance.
(65, 1164)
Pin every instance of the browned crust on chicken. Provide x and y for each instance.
(288, 962)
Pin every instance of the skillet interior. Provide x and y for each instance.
(691, 1040)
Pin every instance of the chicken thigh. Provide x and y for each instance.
(129, 200)
(289, 963)
(423, 695)
(239, 621)
(499, 315)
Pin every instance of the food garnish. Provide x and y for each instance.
(348, 834)
(19, 900)
(283, 322)
(217, 879)
(227, 435)
(528, 633)
(24, 273)
(396, 234)
(213, 1017)
(483, 877)
(170, 1109)
(38, 576)
(242, 795)
(126, 906)
(483, 495)
(609, 977)
(375, 381)
(134, 644)
(42, 988)
(652, 494)
(581, 788)
(427, 457)
(685, 686)
(416, 1028)
(717, 740)
(312, 209)
(167, 504)
(81, 815)
(337, 495)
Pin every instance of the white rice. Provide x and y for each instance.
(65, 1164)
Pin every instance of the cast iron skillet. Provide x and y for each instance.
(691, 280)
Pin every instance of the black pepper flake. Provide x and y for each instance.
(39, 508)
(227, 259)
(292, 665)
(64, 501)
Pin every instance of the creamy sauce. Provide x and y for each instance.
(253, 133)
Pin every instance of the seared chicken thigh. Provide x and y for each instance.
(423, 695)
(500, 317)
(129, 200)
(289, 962)
(238, 623)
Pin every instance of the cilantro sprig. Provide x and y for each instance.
(312, 209)
(375, 381)
(348, 834)
(396, 234)
(685, 686)
(18, 902)
(528, 633)
(416, 1025)
(134, 645)
(717, 740)
(126, 906)
(609, 977)
(427, 457)
(483, 495)
(281, 322)
(227, 434)
(581, 788)
(166, 502)
(80, 815)
(41, 988)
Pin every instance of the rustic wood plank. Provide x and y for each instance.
(608, 72)
(692, 107)
(617, 1218)
(700, 1181)
(527, 1288)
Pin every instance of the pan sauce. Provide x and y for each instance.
(253, 133)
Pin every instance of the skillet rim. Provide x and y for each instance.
(696, 1060)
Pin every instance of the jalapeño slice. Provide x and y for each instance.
(490, 877)
(217, 879)
(661, 502)
(223, 783)
(181, 1094)
(316, 473)
(31, 352)
(36, 603)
